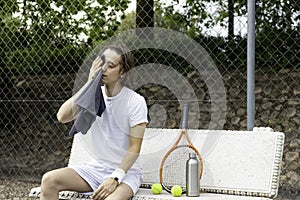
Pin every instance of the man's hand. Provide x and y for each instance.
(105, 189)
(96, 66)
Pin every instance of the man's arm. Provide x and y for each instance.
(69, 110)
(135, 143)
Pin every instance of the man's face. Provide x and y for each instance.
(111, 69)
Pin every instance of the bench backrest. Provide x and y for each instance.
(234, 162)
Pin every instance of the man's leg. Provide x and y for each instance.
(59, 180)
(122, 192)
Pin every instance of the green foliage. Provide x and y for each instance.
(128, 22)
(277, 29)
(193, 16)
(188, 19)
(278, 49)
(45, 36)
(163, 57)
(279, 14)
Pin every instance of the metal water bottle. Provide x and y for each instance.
(192, 176)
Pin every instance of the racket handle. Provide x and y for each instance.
(185, 116)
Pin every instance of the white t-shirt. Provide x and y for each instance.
(108, 138)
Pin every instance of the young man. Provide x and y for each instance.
(114, 139)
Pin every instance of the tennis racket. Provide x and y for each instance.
(173, 165)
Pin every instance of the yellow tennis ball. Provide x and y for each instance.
(156, 188)
(176, 190)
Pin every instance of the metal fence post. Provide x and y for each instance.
(251, 65)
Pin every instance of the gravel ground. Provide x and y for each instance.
(19, 190)
(16, 190)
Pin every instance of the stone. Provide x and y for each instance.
(57, 153)
(291, 112)
(154, 88)
(267, 91)
(293, 178)
(278, 107)
(291, 156)
(297, 120)
(283, 99)
(284, 71)
(235, 120)
(292, 166)
(294, 102)
(241, 112)
(285, 91)
(274, 115)
(234, 91)
(283, 178)
(171, 124)
(258, 90)
(191, 74)
(266, 105)
(21, 84)
(295, 143)
(243, 123)
(265, 117)
(296, 91)
(186, 96)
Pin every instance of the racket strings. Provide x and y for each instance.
(174, 168)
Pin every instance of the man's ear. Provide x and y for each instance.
(122, 71)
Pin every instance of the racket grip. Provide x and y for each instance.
(185, 116)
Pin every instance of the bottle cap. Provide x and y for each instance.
(192, 155)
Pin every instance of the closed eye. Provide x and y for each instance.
(112, 65)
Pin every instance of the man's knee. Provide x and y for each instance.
(50, 181)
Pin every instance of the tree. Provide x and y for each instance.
(195, 16)
(52, 35)
(187, 19)
(144, 13)
(278, 14)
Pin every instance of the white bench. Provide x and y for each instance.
(242, 165)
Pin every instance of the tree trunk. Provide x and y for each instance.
(230, 19)
(144, 18)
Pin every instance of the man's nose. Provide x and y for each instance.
(104, 67)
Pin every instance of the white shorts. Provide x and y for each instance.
(95, 175)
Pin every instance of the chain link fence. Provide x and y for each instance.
(45, 43)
